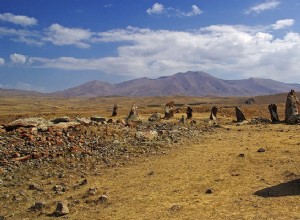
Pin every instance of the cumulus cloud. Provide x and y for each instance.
(18, 19)
(18, 58)
(156, 9)
(2, 61)
(267, 5)
(195, 11)
(283, 24)
(223, 50)
(60, 35)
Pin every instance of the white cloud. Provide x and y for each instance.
(267, 5)
(18, 19)
(23, 36)
(156, 9)
(18, 58)
(283, 24)
(60, 35)
(224, 50)
(2, 61)
(195, 11)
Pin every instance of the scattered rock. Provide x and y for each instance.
(261, 150)
(37, 206)
(34, 186)
(60, 120)
(209, 191)
(155, 117)
(98, 119)
(241, 155)
(103, 199)
(175, 208)
(61, 209)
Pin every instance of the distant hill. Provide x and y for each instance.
(185, 84)
(16, 92)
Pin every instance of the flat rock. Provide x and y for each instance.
(98, 119)
(25, 122)
(61, 119)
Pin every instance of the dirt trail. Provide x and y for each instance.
(174, 186)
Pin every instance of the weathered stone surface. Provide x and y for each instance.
(182, 120)
(240, 117)
(37, 206)
(103, 199)
(133, 115)
(169, 110)
(291, 106)
(60, 120)
(213, 113)
(61, 209)
(150, 135)
(115, 111)
(83, 121)
(273, 112)
(26, 122)
(98, 119)
(189, 112)
(155, 117)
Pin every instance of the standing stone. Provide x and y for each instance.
(189, 112)
(273, 112)
(133, 116)
(115, 111)
(291, 108)
(169, 110)
(239, 115)
(61, 209)
(213, 113)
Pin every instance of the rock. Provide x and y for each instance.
(260, 120)
(59, 188)
(1, 181)
(213, 113)
(61, 209)
(261, 150)
(2, 217)
(189, 112)
(149, 135)
(37, 206)
(92, 191)
(60, 120)
(115, 111)
(155, 117)
(181, 120)
(169, 110)
(175, 208)
(291, 106)
(273, 112)
(240, 117)
(103, 199)
(241, 155)
(83, 121)
(34, 186)
(98, 119)
(26, 123)
(250, 101)
(83, 182)
(209, 191)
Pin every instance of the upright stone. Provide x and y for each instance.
(239, 115)
(115, 111)
(133, 116)
(213, 113)
(169, 110)
(273, 112)
(189, 112)
(61, 209)
(291, 107)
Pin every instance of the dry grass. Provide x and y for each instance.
(173, 185)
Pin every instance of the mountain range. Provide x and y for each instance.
(186, 84)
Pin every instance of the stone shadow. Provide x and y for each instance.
(291, 188)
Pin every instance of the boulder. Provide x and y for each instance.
(61, 209)
(60, 120)
(26, 123)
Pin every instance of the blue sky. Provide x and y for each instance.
(51, 45)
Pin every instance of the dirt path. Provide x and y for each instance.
(174, 186)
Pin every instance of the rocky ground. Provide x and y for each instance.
(97, 168)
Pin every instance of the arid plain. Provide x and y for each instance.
(209, 170)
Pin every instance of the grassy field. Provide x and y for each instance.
(245, 183)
